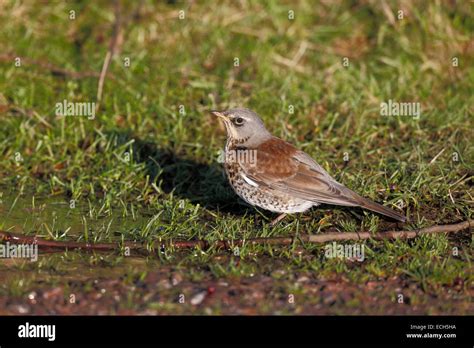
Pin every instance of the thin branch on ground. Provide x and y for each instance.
(51, 246)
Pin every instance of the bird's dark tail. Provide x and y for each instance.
(378, 208)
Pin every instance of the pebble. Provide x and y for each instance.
(32, 297)
(21, 309)
(198, 298)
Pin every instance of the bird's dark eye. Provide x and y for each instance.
(239, 121)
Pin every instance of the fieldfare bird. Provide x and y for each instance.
(272, 174)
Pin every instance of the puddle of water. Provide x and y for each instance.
(58, 216)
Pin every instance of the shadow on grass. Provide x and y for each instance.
(186, 178)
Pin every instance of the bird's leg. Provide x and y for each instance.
(278, 219)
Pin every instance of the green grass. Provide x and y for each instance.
(143, 171)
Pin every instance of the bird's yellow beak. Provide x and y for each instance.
(219, 114)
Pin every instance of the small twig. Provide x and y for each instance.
(301, 51)
(436, 157)
(105, 67)
(114, 46)
(289, 63)
(48, 245)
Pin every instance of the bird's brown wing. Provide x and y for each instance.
(282, 167)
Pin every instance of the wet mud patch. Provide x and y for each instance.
(141, 287)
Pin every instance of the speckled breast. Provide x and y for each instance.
(262, 196)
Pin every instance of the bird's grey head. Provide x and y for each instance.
(244, 126)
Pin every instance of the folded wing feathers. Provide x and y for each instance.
(302, 177)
